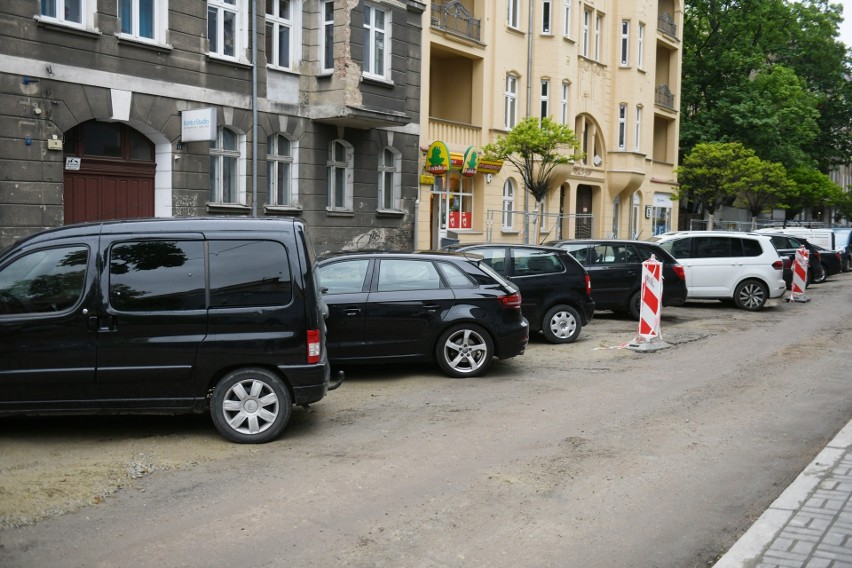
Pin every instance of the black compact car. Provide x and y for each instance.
(165, 316)
(452, 309)
(787, 245)
(555, 289)
(615, 268)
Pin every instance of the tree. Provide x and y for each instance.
(758, 184)
(535, 147)
(809, 188)
(709, 174)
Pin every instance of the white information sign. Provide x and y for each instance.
(72, 164)
(198, 125)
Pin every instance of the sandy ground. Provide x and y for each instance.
(54, 465)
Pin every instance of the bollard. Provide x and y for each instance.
(800, 276)
(650, 309)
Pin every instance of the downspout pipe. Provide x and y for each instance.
(253, 108)
(529, 113)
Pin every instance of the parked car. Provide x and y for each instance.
(727, 265)
(555, 288)
(452, 309)
(787, 245)
(843, 245)
(615, 269)
(165, 316)
(831, 260)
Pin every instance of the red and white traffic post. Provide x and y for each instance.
(800, 276)
(648, 337)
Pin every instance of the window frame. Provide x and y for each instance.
(637, 129)
(546, 17)
(587, 22)
(598, 32)
(395, 171)
(220, 154)
(509, 204)
(622, 126)
(327, 37)
(624, 45)
(513, 14)
(240, 33)
(640, 46)
(275, 160)
(566, 15)
(347, 168)
(87, 13)
(544, 98)
(510, 96)
(294, 24)
(372, 42)
(565, 102)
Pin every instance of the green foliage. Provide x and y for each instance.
(535, 147)
(758, 184)
(709, 174)
(810, 188)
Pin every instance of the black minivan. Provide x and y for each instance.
(165, 316)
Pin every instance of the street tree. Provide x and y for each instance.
(809, 189)
(535, 147)
(758, 185)
(708, 175)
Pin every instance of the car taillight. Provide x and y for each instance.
(314, 346)
(510, 300)
(678, 270)
(588, 285)
(778, 265)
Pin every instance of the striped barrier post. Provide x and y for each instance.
(650, 308)
(800, 276)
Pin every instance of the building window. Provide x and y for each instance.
(144, 20)
(511, 96)
(598, 31)
(587, 18)
(566, 21)
(79, 13)
(514, 15)
(545, 98)
(280, 153)
(637, 141)
(282, 31)
(625, 43)
(640, 47)
(340, 168)
(508, 204)
(328, 36)
(622, 126)
(224, 167)
(376, 42)
(546, 17)
(390, 179)
(616, 213)
(566, 91)
(224, 27)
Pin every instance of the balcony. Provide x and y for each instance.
(667, 25)
(452, 17)
(664, 97)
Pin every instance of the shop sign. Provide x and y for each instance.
(470, 162)
(438, 159)
(198, 125)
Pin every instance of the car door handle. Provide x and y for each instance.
(351, 311)
(102, 324)
(431, 307)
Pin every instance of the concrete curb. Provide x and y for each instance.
(749, 549)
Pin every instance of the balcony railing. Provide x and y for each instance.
(665, 97)
(666, 24)
(454, 18)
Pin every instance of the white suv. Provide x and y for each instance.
(727, 265)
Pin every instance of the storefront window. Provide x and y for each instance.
(661, 215)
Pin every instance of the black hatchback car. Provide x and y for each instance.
(453, 309)
(615, 268)
(556, 294)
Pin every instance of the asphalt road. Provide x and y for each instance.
(578, 455)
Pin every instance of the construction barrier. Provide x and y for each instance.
(650, 308)
(800, 276)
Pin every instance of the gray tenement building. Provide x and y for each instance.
(115, 109)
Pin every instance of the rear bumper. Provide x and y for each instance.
(308, 382)
(513, 344)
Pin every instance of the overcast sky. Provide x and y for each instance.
(846, 26)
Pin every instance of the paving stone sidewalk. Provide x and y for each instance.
(810, 524)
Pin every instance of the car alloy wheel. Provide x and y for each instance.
(751, 295)
(464, 350)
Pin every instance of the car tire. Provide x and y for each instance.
(561, 324)
(250, 406)
(751, 295)
(635, 305)
(464, 350)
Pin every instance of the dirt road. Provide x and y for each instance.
(577, 455)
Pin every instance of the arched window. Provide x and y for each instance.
(340, 177)
(508, 204)
(390, 179)
(280, 157)
(224, 167)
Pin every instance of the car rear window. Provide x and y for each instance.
(533, 262)
(455, 276)
(249, 273)
(751, 247)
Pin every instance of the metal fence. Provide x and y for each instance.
(536, 228)
(745, 226)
